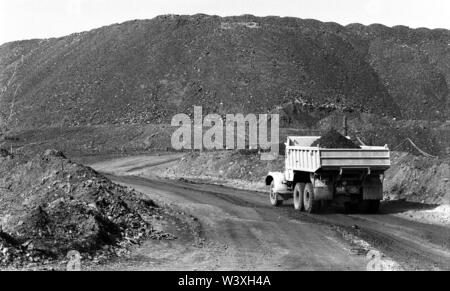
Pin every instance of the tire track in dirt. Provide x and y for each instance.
(251, 234)
(296, 240)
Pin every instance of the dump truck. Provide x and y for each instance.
(315, 176)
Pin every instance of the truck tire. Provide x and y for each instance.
(309, 203)
(274, 197)
(298, 196)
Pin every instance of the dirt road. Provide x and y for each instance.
(243, 232)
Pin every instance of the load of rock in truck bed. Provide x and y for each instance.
(50, 206)
(334, 140)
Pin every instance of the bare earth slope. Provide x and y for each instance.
(145, 71)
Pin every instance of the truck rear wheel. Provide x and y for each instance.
(309, 203)
(298, 196)
(274, 197)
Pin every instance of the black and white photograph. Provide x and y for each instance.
(223, 143)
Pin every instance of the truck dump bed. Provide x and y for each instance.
(301, 156)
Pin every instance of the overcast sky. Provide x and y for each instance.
(25, 19)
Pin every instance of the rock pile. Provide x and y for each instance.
(50, 205)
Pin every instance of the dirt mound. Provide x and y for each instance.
(418, 179)
(398, 73)
(438, 215)
(237, 166)
(50, 205)
(334, 140)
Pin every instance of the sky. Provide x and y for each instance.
(26, 19)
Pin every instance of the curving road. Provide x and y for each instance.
(242, 231)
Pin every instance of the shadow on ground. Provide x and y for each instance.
(399, 206)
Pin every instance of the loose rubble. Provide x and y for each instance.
(334, 140)
(439, 215)
(50, 206)
(418, 179)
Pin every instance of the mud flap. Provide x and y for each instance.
(372, 188)
(323, 191)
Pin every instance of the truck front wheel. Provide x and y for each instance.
(298, 196)
(309, 203)
(274, 199)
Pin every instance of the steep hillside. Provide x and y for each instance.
(145, 71)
